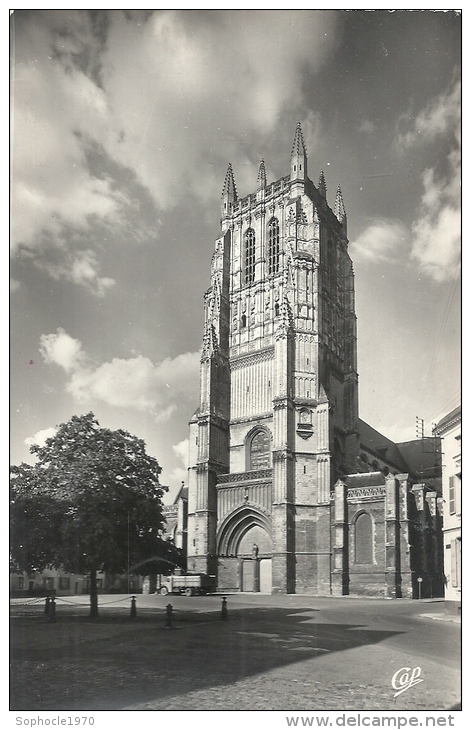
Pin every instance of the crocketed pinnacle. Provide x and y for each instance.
(299, 147)
(229, 189)
(339, 210)
(262, 175)
(322, 184)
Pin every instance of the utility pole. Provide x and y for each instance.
(419, 427)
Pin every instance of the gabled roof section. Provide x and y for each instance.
(423, 457)
(385, 449)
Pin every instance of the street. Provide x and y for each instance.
(298, 653)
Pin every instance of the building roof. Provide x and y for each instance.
(384, 448)
(365, 479)
(181, 494)
(423, 457)
(452, 416)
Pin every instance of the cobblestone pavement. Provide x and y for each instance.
(264, 658)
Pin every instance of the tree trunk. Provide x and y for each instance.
(93, 594)
(152, 582)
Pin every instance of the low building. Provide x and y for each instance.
(55, 582)
(449, 430)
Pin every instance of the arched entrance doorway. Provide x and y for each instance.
(246, 534)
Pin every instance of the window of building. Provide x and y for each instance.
(49, 584)
(21, 582)
(363, 533)
(64, 584)
(259, 451)
(249, 256)
(451, 495)
(99, 584)
(273, 247)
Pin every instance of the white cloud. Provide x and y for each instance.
(40, 437)
(436, 230)
(63, 350)
(436, 244)
(441, 115)
(81, 268)
(181, 450)
(166, 78)
(135, 383)
(383, 241)
(55, 109)
(179, 474)
(144, 92)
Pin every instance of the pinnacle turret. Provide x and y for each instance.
(262, 175)
(299, 147)
(229, 189)
(322, 185)
(298, 156)
(339, 208)
(229, 193)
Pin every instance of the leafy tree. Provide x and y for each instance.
(91, 502)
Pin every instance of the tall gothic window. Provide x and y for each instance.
(249, 256)
(258, 452)
(273, 247)
(364, 539)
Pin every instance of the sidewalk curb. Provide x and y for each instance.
(441, 617)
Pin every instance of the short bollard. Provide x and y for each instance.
(46, 605)
(52, 610)
(169, 616)
(224, 609)
(133, 607)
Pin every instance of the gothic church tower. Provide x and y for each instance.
(277, 420)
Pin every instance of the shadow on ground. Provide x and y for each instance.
(114, 661)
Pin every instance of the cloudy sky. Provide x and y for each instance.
(122, 126)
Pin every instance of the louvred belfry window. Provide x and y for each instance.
(259, 454)
(273, 247)
(249, 256)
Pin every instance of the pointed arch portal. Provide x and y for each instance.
(239, 533)
(236, 526)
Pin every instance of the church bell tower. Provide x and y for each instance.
(277, 418)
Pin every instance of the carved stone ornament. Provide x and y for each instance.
(245, 476)
(366, 492)
(305, 430)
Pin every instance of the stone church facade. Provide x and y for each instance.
(288, 490)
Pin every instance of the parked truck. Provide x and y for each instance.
(195, 584)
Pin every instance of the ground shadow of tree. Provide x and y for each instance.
(108, 665)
